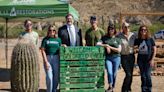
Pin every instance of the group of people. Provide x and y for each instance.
(120, 48)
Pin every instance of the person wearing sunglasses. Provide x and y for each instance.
(112, 45)
(29, 34)
(146, 53)
(127, 55)
(50, 52)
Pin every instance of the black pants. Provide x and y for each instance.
(145, 70)
(127, 62)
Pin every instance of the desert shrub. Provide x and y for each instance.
(14, 32)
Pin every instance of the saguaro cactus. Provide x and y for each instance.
(24, 68)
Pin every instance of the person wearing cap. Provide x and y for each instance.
(50, 53)
(94, 33)
(127, 55)
(112, 45)
(69, 33)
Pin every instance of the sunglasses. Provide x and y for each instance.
(126, 27)
(28, 24)
(110, 28)
(144, 30)
(51, 30)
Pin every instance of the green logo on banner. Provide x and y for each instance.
(13, 12)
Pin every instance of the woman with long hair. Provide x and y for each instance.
(146, 53)
(50, 53)
(112, 44)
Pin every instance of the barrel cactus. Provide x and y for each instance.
(24, 68)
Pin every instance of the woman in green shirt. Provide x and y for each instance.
(50, 52)
(112, 44)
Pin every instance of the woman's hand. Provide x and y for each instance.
(106, 45)
(64, 45)
(151, 62)
(136, 50)
(47, 65)
(108, 50)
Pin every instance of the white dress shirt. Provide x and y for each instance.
(72, 34)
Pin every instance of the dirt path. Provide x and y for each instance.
(158, 81)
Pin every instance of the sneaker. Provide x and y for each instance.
(110, 88)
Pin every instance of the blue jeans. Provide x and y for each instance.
(145, 70)
(52, 74)
(112, 65)
(127, 62)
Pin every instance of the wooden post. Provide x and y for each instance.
(103, 26)
(120, 26)
(6, 40)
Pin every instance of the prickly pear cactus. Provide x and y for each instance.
(24, 68)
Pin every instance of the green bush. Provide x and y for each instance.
(14, 33)
(156, 27)
(153, 28)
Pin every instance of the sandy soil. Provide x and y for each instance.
(158, 81)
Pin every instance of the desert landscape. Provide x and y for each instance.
(157, 73)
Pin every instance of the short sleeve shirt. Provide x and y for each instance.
(51, 45)
(30, 36)
(145, 46)
(112, 41)
(92, 37)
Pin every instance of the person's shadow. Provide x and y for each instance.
(4, 75)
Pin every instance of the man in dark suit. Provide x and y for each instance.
(69, 33)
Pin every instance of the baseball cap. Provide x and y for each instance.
(93, 18)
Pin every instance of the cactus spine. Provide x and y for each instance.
(24, 68)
